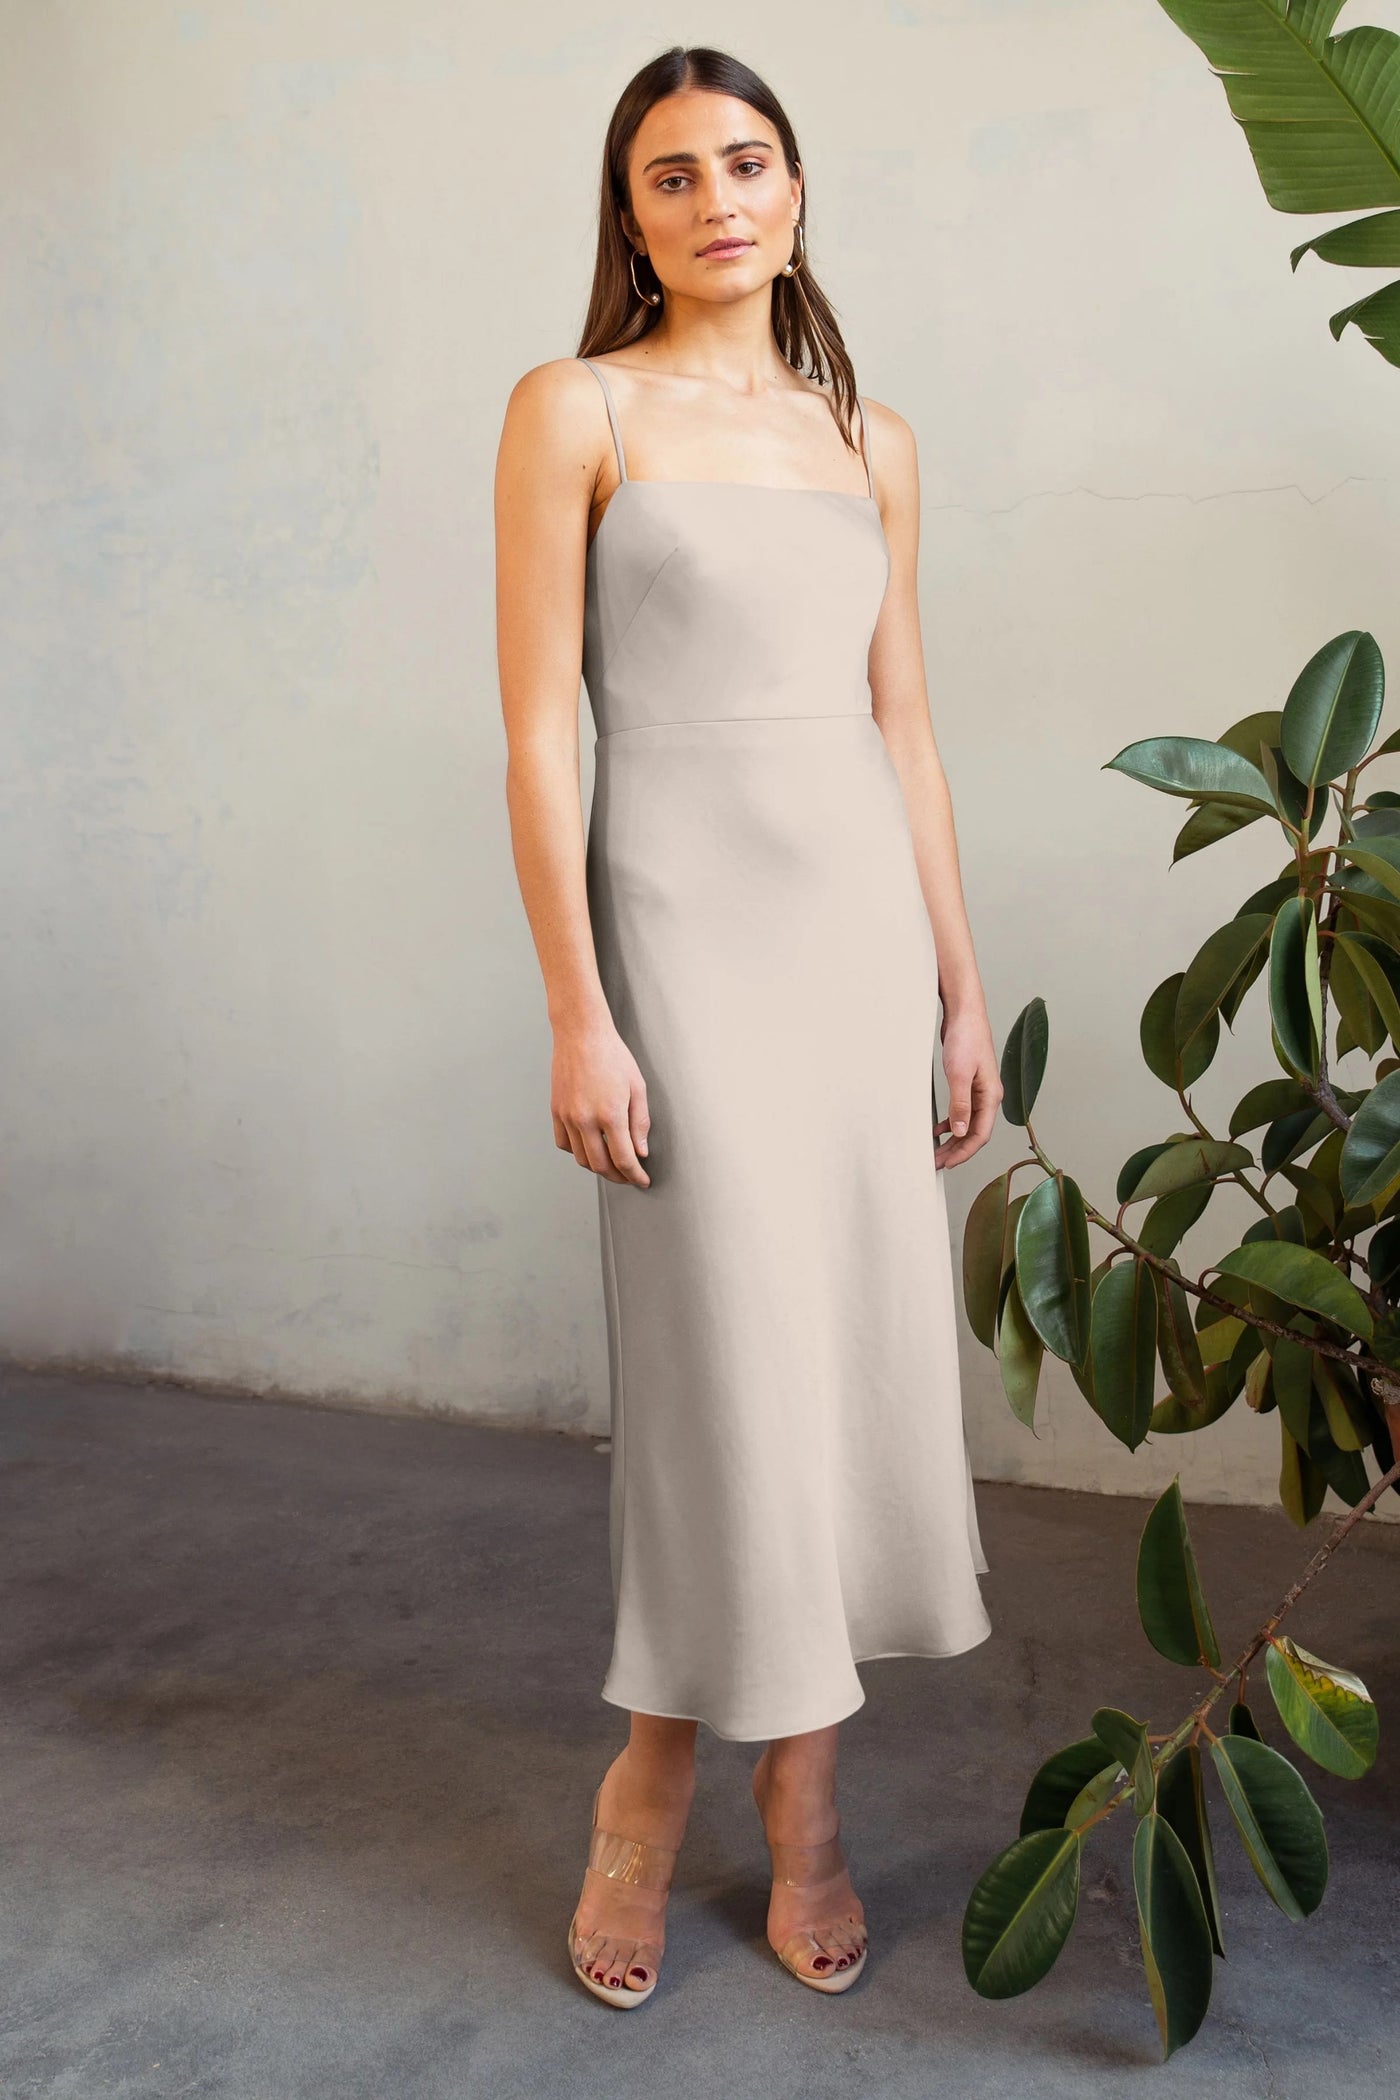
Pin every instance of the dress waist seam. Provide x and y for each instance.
(845, 714)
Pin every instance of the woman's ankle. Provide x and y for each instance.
(796, 1798)
(653, 1796)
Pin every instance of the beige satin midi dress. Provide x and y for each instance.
(790, 1491)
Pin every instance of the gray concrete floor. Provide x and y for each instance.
(300, 1727)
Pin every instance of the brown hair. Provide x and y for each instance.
(804, 322)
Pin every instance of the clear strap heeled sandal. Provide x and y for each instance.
(829, 1955)
(623, 1956)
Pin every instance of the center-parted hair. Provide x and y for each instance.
(804, 322)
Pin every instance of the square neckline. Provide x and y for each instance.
(765, 488)
(774, 488)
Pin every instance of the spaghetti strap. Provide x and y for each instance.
(865, 442)
(596, 370)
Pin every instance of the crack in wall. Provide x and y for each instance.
(1278, 488)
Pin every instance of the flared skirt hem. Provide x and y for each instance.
(790, 1725)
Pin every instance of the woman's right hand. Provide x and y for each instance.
(598, 1098)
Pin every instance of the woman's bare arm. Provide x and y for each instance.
(553, 445)
(899, 695)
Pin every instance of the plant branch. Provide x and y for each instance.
(1316, 1343)
(1196, 1718)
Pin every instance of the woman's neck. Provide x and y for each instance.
(733, 345)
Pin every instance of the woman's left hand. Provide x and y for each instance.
(971, 1068)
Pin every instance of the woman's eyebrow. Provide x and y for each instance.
(693, 159)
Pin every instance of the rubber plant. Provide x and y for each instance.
(1298, 1320)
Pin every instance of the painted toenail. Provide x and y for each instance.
(823, 1961)
(638, 1972)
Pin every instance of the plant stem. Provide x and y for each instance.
(1196, 1718)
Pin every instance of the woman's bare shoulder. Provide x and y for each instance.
(555, 387)
(886, 423)
(893, 453)
(556, 411)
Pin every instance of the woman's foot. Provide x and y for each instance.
(816, 1923)
(619, 1927)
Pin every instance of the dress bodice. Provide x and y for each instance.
(714, 600)
(723, 600)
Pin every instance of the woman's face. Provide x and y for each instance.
(713, 204)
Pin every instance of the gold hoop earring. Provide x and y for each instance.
(649, 298)
(799, 256)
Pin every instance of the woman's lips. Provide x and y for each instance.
(726, 248)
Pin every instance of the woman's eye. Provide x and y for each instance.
(756, 165)
(667, 180)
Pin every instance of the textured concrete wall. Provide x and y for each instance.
(275, 1106)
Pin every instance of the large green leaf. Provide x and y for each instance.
(1328, 1712)
(1379, 858)
(1263, 726)
(1174, 1930)
(1279, 1823)
(1208, 825)
(1020, 1352)
(1343, 1470)
(1301, 1276)
(1171, 1603)
(1178, 1344)
(1332, 713)
(1366, 244)
(1060, 1780)
(1380, 812)
(1290, 1137)
(1181, 1799)
(1268, 1102)
(1360, 1025)
(1185, 1161)
(1023, 1061)
(1370, 1162)
(1052, 1266)
(1293, 1386)
(1377, 315)
(1302, 1486)
(1318, 112)
(1019, 1913)
(988, 1239)
(1348, 1421)
(1380, 915)
(1377, 970)
(1295, 988)
(1171, 1218)
(1157, 1035)
(1195, 768)
(1219, 967)
(1123, 1347)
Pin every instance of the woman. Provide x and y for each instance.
(743, 966)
